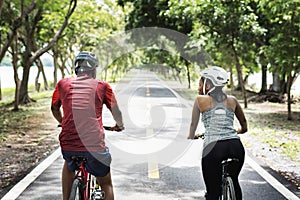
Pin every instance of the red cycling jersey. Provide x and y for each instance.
(82, 100)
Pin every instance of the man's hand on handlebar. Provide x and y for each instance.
(114, 128)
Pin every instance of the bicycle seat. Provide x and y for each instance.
(79, 158)
(229, 160)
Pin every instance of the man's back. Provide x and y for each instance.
(82, 99)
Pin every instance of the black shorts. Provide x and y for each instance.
(98, 163)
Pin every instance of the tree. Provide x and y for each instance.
(90, 26)
(14, 24)
(28, 36)
(145, 13)
(284, 48)
(10, 25)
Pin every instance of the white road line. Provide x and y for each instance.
(29, 178)
(270, 179)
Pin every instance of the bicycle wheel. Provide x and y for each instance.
(77, 192)
(228, 190)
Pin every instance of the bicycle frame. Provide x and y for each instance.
(227, 180)
(85, 178)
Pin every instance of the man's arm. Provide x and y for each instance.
(111, 103)
(56, 112)
(55, 105)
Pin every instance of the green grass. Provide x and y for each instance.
(18, 122)
(274, 129)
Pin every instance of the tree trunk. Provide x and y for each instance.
(0, 90)
(17, 82)
(55, 62)
(46, 87)
(231, 78)
(37, 83)
(289, 83)
(289, 100)
(264, 87)
(276, 85)
(105, 74)
(188, 73)
(240, 76)
(63, 68)
(40, 70)
(23, 96)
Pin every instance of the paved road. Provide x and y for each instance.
(152, 158)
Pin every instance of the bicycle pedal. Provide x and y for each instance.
(98, 194)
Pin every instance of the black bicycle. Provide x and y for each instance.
(228, 192)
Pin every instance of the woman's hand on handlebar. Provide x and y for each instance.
(197, 136)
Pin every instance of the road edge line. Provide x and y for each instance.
(17, 190)
(270, 179)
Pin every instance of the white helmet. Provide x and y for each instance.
(217, 75)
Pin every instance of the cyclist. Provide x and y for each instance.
(221, 140)
(82, 99)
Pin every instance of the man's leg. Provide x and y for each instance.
(106, 185)
(67, 181)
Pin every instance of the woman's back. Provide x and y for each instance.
(217, 118)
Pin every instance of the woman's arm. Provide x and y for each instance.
(195, 120)
(241, 117)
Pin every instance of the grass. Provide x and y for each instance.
(269, 123)
(18, 122)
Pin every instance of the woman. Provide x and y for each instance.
(221, 140)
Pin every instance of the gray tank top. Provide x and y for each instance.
(218, 123)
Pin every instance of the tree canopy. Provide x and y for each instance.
(243, 36)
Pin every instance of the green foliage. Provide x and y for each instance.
(284, 18)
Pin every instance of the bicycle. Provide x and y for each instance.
(228, 192)
(227, 187)
(85, 185)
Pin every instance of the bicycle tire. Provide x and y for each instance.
(228, 189)
(77, 192)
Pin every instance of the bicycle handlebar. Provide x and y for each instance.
(114, 128)
(109, 128)
(197, 136)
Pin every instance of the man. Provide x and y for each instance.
(82, 99)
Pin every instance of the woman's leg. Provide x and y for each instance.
(237, 150)
(211, 171)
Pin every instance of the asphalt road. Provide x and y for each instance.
(152, 159)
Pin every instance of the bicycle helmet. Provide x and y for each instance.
(85, 62)
(217, 75)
